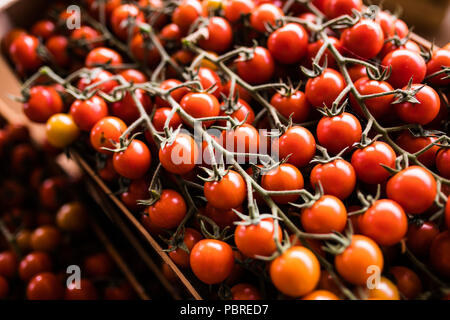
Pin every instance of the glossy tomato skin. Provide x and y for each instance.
(244, 138)
(102, 56)
(99, 76)
(321, 295)
(168, 211)
(413, 144)
(387, 23)
(104, 131)
(379, 107)
(295, 105)
(364, 40)
(324, 89)
(43, 103)
(8, 264)
(385, 222)
(339, 132)
(367, 162)
(440, 58)
(181, 156)
(58, 48)
(265, 13)
(85, 34)
(138, 47)
(227, 193)
(133, 75)
(257, 240)
(336, 8)
(259, 69)
(405, 65)
(443, 163)
(288, 44)
(72, 217)
(86, 113)
(127, 110)
(120, 15)
(186, 13)
(177, 94)
(440, 253)
(408, 282)
(220, 35)
(420, 237)
(223, 218)
(160, 117)
(234, 9)
(201, 105)
(45, 286)
(242, 111)
(134, 162)
(34, 263)
(357, 72)
(46, 238)
(423, 112)
(296, 272)
(385, 290)
(299, 143)
(352, 264)
(181, 257)
(401, 28)
(212, 260)
(391, 46)
(61, 130)
(328, 173)
(245, 291)
(210, 79)
(23, 52)
(284, 177)
(414, 188)
(326, 215)
(86, 291)
(313, 49)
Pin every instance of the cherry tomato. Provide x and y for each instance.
(296, 272)
(401, 28)
(186, 13)
(229, 192)
(241, 111)
(440, 58)
(23, 239)
(86, 113)
(61, 130)
(137, 190)
(33, 264)
(440, 253)
(134, 162)
(264, 14)
(362, 253)
(357, 72)
(321, 295)
(209, 79)
(387, 23)
(105, 131)
(98, 265)
(170, 32)
(220, 35)
(144, 51)
(86, 39)
(181, 156)
(43, 102)
(180, 256)
(385, 290)
(288, 44)
(101, 76)
(242, 139)
(239, 91)
(405, 65)
(364, 40)
(45, 286)
(336, 8)
(324, 89)
(223, 218)
(257, 239)
(133, 75)
(420, 236)
(328, 173)
(443, 163)
(295, 105)
(447, 213)
(391, 46)
(119, 17)
(103, 56)
(58, 46)
(212, 260)
(86, 291)
(8, 264)
(177, 94)
(106, 171)
(245, 291)
(122, 291)
(414, 188)
(284, 177)
(235, 9)
(412, 144)
(326, 215)
(297, 142)
(127, 110)
(314, 47)
(339, 132)
(367, 162)
(24, 53)
(45, 238)
(160, 117)
(422, 112)
(72, 217)
(378, 107)
(259, 69)
(201, 105)
(408, 282)
(168, 211)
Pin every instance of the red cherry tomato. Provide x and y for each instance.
(180, 256)
(86, 291)
(127, 110)
(245, 291)
(284, 177)
(186, 13)
(364, 40)
(243, 139)
(99, 76)
(440, 253)
(405, 65)
(103, 56)
(119, 17)
(422, 112)
(336, 8)
(208, 78)
(105, 131)
(168, 211)
(295, 105)
(220, 35)
(160, 117)
(86, 113)
(420, 236)
(45, 286)
(34, 263)
(241, 111)
(212, 261)
(297, 142)
(263, 14)
(133, 75)
(328, 173)
(235, 9)
(412, 144)
(321, 295)
(324, 89)
(259, 69)
(8, 264)
(134, 162)
(288, 44)
(229, 192)
(326, 215)
(201, 105)
(58, 47)
(443, 163)
(24, 53)
(440, 58)
(43, 102)
(223, 218)
(98, 265)
(181, 156)
(408, 282)
(143, 51)
(338, 132)
(86, 39)
(177, 94)
(314, 47)
(414, 188)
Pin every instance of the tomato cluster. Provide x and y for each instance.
(45, 229)
(359, 114)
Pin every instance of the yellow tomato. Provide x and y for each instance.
(61, 130)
